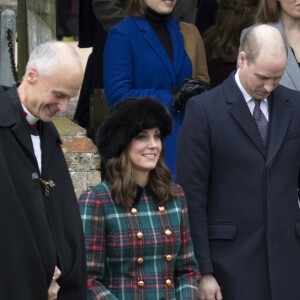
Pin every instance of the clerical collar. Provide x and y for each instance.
(31, 119)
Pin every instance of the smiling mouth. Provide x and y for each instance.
(150, 155)
(168, 1)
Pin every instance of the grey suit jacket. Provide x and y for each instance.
(291, 76)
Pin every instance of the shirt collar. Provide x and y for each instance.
(246, 96)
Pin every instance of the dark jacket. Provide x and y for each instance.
(95, 18)
(37, 231)
(243, 199)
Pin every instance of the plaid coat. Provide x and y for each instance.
(140, 253)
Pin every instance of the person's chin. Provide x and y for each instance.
(152, 166)
(46, 118)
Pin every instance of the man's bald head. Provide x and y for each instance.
(263, 39)
(262, 61)
(45, 57)
(53, 76)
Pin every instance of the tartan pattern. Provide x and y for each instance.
(113, 248)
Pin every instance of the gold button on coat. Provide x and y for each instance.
(161, 208)
(168, 232)
(140, 260)
(168, 257)
(168, 282)
(140, 235)
(133, 211)
(141, 283)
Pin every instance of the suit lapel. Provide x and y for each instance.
(280, 117)
(239, 110)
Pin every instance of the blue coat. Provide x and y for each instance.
(243, 199)
(137, 65)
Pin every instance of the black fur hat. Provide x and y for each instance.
(126, 119)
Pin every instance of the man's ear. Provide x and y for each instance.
(32, 75)
(241, 59)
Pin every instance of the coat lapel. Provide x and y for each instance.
(12, 115)
(177, 44)
(280, 114)
(23, 136)
(280, 117)
(242, 115)
(239, 110)
(152, 39)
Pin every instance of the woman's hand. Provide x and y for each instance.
(54, 287)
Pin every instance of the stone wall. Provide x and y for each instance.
(8, 4)
(81, 154)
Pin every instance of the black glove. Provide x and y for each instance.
(189, 88)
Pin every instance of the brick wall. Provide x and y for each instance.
(81, 154)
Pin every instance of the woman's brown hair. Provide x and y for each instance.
(222, 40)
(136, 8)
(124, 189)
(267, 11)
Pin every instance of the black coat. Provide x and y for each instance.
(206, 14)
(93, 26)
(87, 23)
(37, 231)
(243, 200)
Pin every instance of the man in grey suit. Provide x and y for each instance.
(239, 162)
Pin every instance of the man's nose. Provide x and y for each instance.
(63, 105)
(270, 85)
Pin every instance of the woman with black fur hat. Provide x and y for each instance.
(137, 233)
